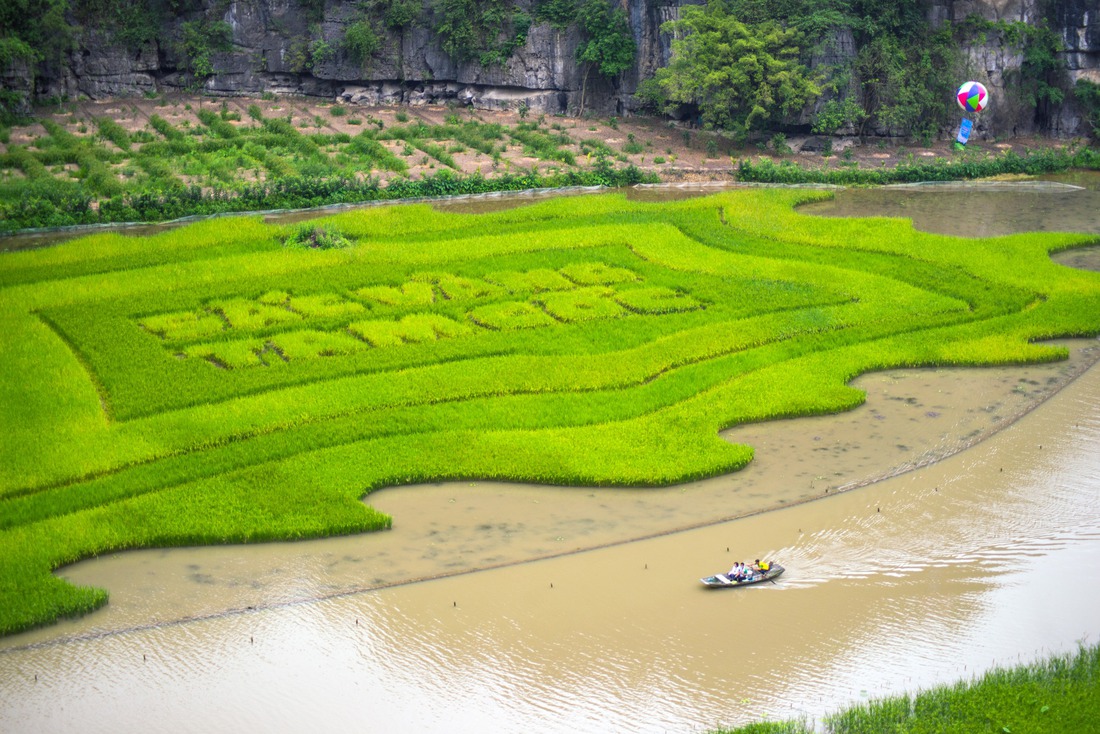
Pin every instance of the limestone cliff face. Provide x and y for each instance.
(1077, 23)
(270, 36)
(410, 67)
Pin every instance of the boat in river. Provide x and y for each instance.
(722, 581)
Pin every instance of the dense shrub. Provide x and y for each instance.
(1031, 163)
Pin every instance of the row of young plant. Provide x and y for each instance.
(52, 206)
(107, 337)
(794, 308)
(130, 362)
(512, 394)
(1058, 694)
(131, 180)
(77, 329)
(1031, 163)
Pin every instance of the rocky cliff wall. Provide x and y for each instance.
(997, 65)
(410, 66)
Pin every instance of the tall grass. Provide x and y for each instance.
(165, 128)
(220, 383)
(217, 125)
(543, 144)
(1052, 696)
(114, 132)
(375, 155)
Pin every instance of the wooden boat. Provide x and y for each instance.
(722, 581)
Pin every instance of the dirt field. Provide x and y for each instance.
(672, 150)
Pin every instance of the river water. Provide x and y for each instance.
(493, 607)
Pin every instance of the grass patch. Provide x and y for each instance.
(542, 144)
(1055, 695)
(317, 238)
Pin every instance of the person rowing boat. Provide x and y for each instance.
(744, 575)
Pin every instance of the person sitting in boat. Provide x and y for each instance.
(761, 566)
(735, 572)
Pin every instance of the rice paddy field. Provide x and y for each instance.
(233, 381)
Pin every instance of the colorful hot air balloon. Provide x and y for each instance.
(972, 97)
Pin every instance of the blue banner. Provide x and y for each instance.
(964, 132)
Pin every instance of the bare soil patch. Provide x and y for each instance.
(674, 151)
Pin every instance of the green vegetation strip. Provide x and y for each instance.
(234, 381)
(225, 164)
(1056, 695)
(963, 167)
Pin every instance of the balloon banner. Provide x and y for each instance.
(964, 132)
(972, 97)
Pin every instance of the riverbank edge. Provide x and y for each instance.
(447, 185)
(712, 522)
(1092, 358)
(1056, 694)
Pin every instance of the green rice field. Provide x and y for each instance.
(233, 381)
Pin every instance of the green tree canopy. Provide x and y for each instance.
(741, 77)
(200, 40)
(489, 31)
(608, 44)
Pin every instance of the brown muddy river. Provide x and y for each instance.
(943, 568)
